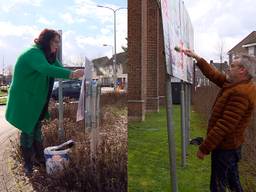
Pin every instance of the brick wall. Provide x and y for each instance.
(146, 70)
(161, 61)
(136, 75)
(152, 99)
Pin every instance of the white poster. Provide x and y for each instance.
(88, 69)
(178, 31)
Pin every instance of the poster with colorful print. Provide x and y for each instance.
(178, 31)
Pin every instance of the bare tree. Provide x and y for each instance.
(77, 61)
(221, 51)
(9, 70)
(3, 71)
(125, 48)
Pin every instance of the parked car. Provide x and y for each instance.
(70, 88)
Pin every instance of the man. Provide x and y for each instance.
(230, 116)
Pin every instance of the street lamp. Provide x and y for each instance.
(114, 59)
(107, 45)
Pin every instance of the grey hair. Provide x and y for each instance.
(249, 63)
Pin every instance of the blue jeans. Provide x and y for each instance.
(225, 173)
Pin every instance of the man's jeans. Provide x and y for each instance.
(225, 170)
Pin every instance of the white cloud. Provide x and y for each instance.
(104, 18)
(67, 17)
(95, 41)
(88, 8)
(9, 29)
(7, 6)
(75, 46)
(229, 20)
(81, 20)
(45, 21)
(2, 44)
(106, 31)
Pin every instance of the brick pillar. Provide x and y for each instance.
(161, 61)
(137, 22)
(152, 99)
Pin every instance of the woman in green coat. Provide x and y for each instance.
(30, 91)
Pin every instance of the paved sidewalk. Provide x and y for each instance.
(8, 181)
(6, 131)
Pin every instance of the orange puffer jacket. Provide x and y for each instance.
(231, 112)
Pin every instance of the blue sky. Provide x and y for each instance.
(85, 27)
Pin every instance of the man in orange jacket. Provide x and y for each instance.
(231, 114)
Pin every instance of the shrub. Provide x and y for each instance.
(106, 171)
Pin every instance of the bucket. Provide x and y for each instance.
(56, 157)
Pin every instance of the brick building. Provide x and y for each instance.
(245, 46)
(146, 65)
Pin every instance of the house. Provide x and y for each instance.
(121, 67)
(201, 80)
(246, 46)
(102, 71)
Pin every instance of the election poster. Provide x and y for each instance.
(178, 31)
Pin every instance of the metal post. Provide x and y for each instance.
(98, 104)
(189, 108)
(60, 94)
(183, 120)
(187, 111)
(114, 61)
(187, 114)
(88, 92)
(93, 131)
(171, 137)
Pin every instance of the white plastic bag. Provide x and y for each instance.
(56, 157)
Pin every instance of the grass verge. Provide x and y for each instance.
(148, 159)
(3, 93)
(3, 101)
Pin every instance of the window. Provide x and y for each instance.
(251, 50)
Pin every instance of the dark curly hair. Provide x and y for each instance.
(44, 40)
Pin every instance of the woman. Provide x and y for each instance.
(30, 92)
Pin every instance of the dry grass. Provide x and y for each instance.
(106, 172)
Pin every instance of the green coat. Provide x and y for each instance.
(29, 88)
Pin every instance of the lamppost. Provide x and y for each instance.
(114, 59)
(107, 45)
(112, 50)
